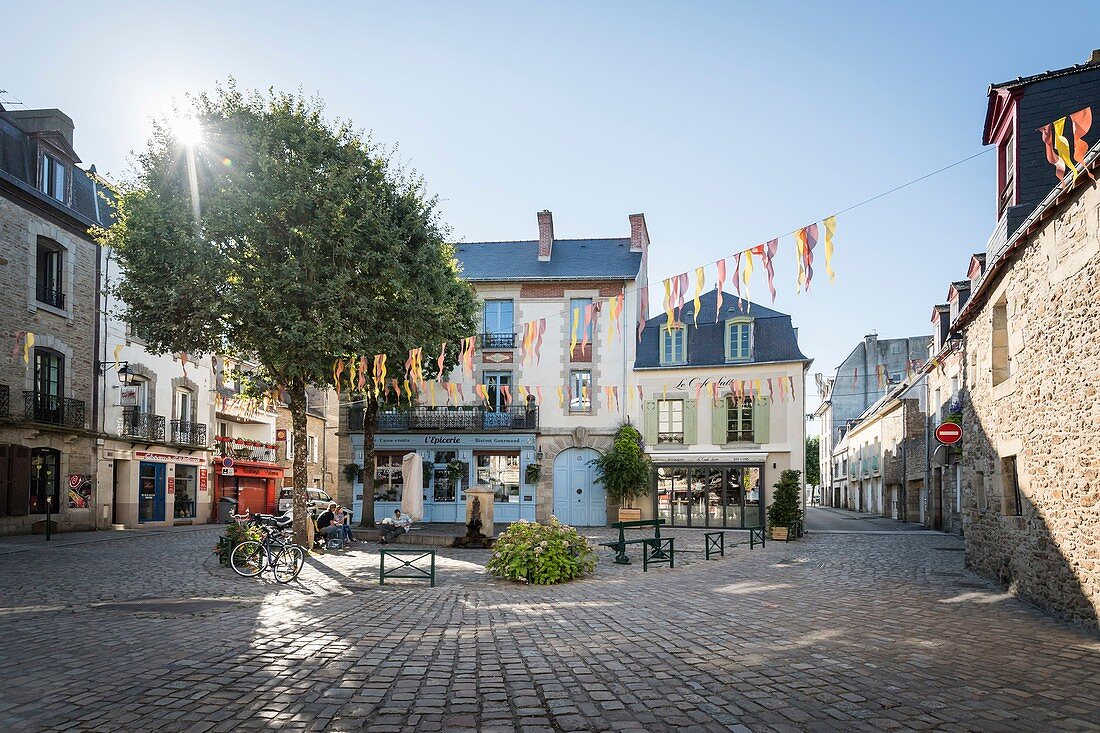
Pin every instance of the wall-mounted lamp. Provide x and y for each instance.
(124, 372)
(538, 456)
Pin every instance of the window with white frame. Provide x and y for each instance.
(312, 440)
(499, 324)
(739, 420)
(52, 175)
(670, 421)
(739, 339)
(673, 345)
(50, 258)
(580, 386)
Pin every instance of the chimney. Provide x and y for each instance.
(43, 120)
(1095, 57)
(639, 235)
(546, 235)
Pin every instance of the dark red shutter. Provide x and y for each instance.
(19, 487)
(5, 480)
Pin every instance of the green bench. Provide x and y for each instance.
(619, 546)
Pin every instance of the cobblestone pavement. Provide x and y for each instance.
(832, 633)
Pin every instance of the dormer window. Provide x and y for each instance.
(1006, 169)
(739, 339)
(52, 175)
(673, 345)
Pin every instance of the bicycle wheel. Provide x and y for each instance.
(287, 563)
(248, 559)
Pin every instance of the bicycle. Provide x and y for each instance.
(273, 550)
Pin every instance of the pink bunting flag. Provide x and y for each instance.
(737, 279)
(643, 309)
(721, 284)
(768, 255)
(810, 240)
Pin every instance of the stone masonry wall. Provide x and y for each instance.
(1046, 414)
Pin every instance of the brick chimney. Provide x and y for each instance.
(1094, 58)
(546, 235)
(639, 235)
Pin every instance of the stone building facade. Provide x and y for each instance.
(48, 274)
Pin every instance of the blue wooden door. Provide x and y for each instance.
(578, 498)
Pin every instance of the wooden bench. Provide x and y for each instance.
(406, 567)
(619, 546)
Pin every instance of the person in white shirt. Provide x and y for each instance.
(395, 526)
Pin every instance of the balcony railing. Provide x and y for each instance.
(670, 437)
(49, 295)
(249, 453)
(448, 419)
(142, 425)
(53, 410)
(5, 400)
(498, 341)
(188, 433)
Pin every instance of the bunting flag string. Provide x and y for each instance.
(721, 264)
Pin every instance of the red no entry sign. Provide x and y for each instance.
(949, 433)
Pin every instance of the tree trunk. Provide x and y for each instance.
(297, 404)
(370, 427)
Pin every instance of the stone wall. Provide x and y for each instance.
(1045, 414)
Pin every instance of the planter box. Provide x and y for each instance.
(629, 515)
(779, 533)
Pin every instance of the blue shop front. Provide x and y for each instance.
(452, 462)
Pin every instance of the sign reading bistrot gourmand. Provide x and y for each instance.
(949, 433)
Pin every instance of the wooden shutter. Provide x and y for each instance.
(649, 422)
(719, 420)
(761, 420)
(5, 480)
(19, 485)
(691, 423)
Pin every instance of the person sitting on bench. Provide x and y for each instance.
(327, 525)
(394, 527)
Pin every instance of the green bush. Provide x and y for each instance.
(235, 534)
(542, 554)
(786, 503)
(624, 469)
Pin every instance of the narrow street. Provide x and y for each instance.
(828, 519)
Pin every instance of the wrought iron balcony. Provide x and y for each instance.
(53, 410)
(142, 425)
(49, 295)
(456, 419)
(670, 438)
(249, 453)
(498, 341)
(189, 433)
(5, 400)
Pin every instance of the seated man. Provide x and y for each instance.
(326, 523)
(394, 527)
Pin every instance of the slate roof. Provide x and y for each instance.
(1023, 81)
(774, 336)
(18, 166)
(570, 259)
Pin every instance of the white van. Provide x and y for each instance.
(315, 499)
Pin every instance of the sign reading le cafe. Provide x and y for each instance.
(444, 441)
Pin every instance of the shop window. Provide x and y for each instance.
(580, 396)
(388, 481)
(499, 472)
(670, 421)
(1002, 361)
(48, 273)
(185, 487)
(45, 480)
(739, 420)
(673, 345)
(446, 476)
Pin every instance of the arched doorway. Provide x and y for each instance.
(578, 498)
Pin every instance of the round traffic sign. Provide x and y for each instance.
(227, 462)
(949, 433)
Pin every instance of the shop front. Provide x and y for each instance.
(710, 490)
(254, 485)
(451, 464)
(159, 487)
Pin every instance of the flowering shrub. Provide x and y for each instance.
(235, 534)
(542, 554)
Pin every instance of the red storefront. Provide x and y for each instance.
(254, 484)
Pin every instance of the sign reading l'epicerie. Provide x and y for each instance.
(454, 440)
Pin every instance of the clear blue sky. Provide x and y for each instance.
(725, 123)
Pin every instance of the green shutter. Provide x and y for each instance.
(691, 423)
(761, 420)
(649, 422)
(719, 423)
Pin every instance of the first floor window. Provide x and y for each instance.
(670, 421)
(496, 384)
(580, 395)
(45, 480)
(739, 420)
(388, 480)
(499, 472)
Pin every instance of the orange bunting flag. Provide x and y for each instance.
(183, 363)
(607, 397)
(396, 389)
(506, 392)
(1052, 157)
(573, 331)
(439, 375)
(352, 373)
(766, 257)
(362, 385)
(482, 391)
(721, 284)
(714, 399)
(538, 392)
(1082, 121)
(525, 343)
(468, 345)
(641, 397)
(589, 313)
(830, 230)
(810, 240)
(615, 314)
(771, 392)
(698, 390)
(700, 282)
(782, 388)
(337, 371)
(800, 255)
(791, 381)
(643, 309)
(669, 303)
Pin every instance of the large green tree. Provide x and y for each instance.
(282, 238)
(813, 461)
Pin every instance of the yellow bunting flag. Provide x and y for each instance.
(573, 332)
(746, 275)
(669, 316)
(589, 311)
(1061, 145)
(118, 349)
(830, 230)
(700, 281)
(561, 397)
(800, 254)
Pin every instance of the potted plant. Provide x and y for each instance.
(625, 470)
(786, 506)
(458, 470)
(531, 474)
(351, 472)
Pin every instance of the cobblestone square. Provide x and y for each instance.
(837, 632)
